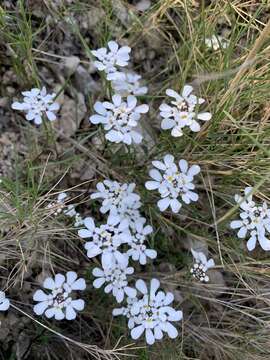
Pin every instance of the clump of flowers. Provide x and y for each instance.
(115, 275)
(254, 221)
(173, 182)
(182, 112)
(138, 250)
(59, 302)
(201, 266)
(216, 42)
(4, 302)
(129, 84)
(125, 233)
(120, 119)
(36, 104)
(106, 239)
(59, 205)
(149, 312)
(116, 197)
(109, 60)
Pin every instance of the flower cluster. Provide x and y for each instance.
(129, 84)
(58, 206)
(109, 60)
(149, 312)
(201, 266)
(59, 303)
(120, 118)
(254, 221)
(124, 235)
(173, 182)
(36, 104)
(182, 112)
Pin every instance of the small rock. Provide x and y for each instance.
(71, 114)
(84, 82)
(94, 16)
(143, 5)
(121, 12)
(70, 65)
(98, 142)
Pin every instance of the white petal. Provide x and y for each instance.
(40, 307)
(150, 339)
(172, 93)
(130, 292)
(113, 46)
(167, 123)
(193, 170)
(114, 136)
(242, 232)
(117, 100)
(236, 224)
(155, 174)
(70, 313)
(152, 254)
(152, 185)
(154, 287)
(163, 204)
(51, 116)
(204, 116)
(98, 272)
(71, 277)
(97, 119)
(169, 160)
(158, 333)
(175, 205)
(141, 286)
(142, 109)
(98, 282)
(183, 164)
(187, 90)
(40, 295)
(177, 131)
(59, 280)
(137, 332)
(195, 126)
(171, 331)
(4, 304)
(78, 304)
(83, 233)
(79, 284)
(49, 284)
(99, 108)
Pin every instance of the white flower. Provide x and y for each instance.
(115, 275)
(78, 221)
(115, 195)
(182, 112)
(59, 302)
(201, 266)
(4, 302)
(216, 42)
(37, 103)
(126, 311)
(129, 211)
(129, 84)
(138, 250)
(109, 61)
(106, 239)
(254, 220)
(150, 313)
(174, 182)
(119, 119)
